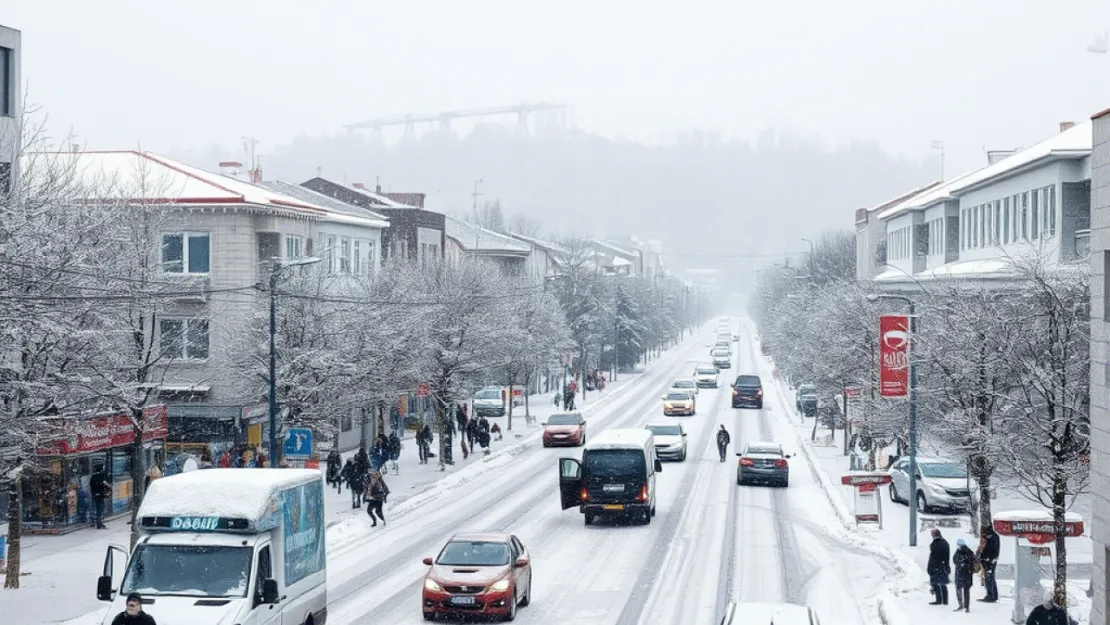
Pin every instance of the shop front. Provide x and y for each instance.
(58, 499)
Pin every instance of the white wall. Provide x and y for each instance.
(372, 258)
(899, 258)
(10, 125)
(1052, 174)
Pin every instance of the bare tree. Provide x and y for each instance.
(489, 216)
(522, 224)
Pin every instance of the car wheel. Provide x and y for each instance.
(511, 616)
(527, 598)
(682, 458)
(653, 510)
(786, 483)
(894, 493)
(739, 479)
(759, 405)
(589, 518)
(647, 517)
(429, 616)
(545, 444)
(922, 503)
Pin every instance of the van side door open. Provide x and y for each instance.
(570, 482)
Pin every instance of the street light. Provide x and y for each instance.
(913, 411)
(276, 265)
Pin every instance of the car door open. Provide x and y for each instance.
(570, 482)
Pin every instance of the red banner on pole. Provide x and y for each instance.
(894, 348)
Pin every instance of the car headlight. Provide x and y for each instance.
(936, 488)
(430, 584)
(500, 586)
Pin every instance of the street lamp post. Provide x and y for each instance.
(276, 265)
(913, 410)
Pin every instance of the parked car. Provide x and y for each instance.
(565, 428)
(686, 385)
(679, 402)
(478, 574)
(489, 402)
(706, 377)
(763, 462)
(747, 390)
(941, 484)
(670, 440)
(805, 399)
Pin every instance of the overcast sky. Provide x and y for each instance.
(974, 73)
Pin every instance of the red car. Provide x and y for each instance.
(478, 575)
(567, 428)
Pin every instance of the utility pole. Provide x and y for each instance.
(250, 146)
(476, 194)
(939, 145)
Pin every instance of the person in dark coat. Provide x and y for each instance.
(989, 546)
(376, 494)
(424, 442)
(1048, 613)
(472, 432)
(335, 465)
(101, 486)
(362, 459)
(962, 562)
(723, 439)
(133, 614)
(938, 568)
(353, 477)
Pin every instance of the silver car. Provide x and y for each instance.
(941, 484)
(706, 377)
(670, 440)
(763, 462)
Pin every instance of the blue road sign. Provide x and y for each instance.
(298, 443)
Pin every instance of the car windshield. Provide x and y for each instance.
(474, 553)
(720, 352)
(614, 462)
(563, 419)
(943, 470)
(683, 383)
(707, 372)
(194, 570)
(487, 395)
(807, 389)
(678, 397)
(764, 449)
(665, 430)
(747, 380)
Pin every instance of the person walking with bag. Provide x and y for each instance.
(376, 495)
(963, 565)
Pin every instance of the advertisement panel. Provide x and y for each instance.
(303, 531)
(894, 347)
(99, 433)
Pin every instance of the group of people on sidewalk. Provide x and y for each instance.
(966, 563)
(472, 432)
(363, 476)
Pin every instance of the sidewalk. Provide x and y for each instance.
(59, 572)
(910, 605)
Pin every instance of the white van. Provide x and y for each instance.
(226, 546)
(616, 476)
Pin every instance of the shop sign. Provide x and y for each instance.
(99, 433)
(894, 346)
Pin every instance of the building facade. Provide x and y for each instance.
(465, 240)
(11, 101)
(1100, 364)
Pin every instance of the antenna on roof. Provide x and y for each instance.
(319, 171)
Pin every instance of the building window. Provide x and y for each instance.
(185, 252)
(331, 253)
(356, 258)
(997, 231)
(1050, 206)
(1006, 220)
(1025, 216)
(292, 247)
(989, 221)
(346, 423)
(1034, 220)
(7, 82)
(5, 178)
(183, 339)
(345, 254)
(371, 265)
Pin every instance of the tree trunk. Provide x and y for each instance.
(15, 529)
(441, 409)
(1059, 516)
(138, 473)
(983, 474)
(510, 425)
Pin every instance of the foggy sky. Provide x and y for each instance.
(180, 75)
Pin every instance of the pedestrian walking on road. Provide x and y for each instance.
(133, 614)
(723, 440)
(963, 563)
(350, 474)
(335, 465)
(989, 546)
(101, 486)
(938, 568)
(376, 495)
(424, 442)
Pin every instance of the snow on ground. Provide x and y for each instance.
(59, 581)
(905, 600)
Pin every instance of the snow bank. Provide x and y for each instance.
(234, 493)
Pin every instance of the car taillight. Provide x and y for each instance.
(585, 496)
(746, 462)
(780, 463)
(643, 494)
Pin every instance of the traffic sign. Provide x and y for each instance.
(853, 392)
(423, 390)
(298, 443)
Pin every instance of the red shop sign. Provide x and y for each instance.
(894, 347)
(98, 433)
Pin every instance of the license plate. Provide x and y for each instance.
(614, 507)
(613, 488)
(462, 600)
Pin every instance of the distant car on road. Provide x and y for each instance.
(679, 402)
(769, 613)
(706, 377)
(763, 462)
(478, 574)
(747, 390)
(722, 359)
(686, 385)
(565, 428)
(941, 484)
(489, 402)
(670, 440)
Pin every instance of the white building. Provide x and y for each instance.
(11, 100)
(1033, 200)
(545, 259)
(466, 240)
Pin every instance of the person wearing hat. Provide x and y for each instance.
(1048, 613)
(963, 564)
(134, 614)
(938, 568)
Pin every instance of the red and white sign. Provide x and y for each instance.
(423, 390)
(894, 352)
(868, 504)
(98, 433)
(862, 478)
(853, 392)
(1026, 529)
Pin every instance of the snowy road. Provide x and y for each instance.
(710, 542)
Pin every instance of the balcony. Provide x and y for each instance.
(1082, 243)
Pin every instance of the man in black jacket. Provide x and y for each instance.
(938, 568)
(101, 487)
(723, 439)
(134, 614)
(988, 554)
(1048, 613)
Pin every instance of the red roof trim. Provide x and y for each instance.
(1100, 114)
(163, 200)
(191, 175)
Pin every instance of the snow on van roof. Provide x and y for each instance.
(629, 438)
(232, 493)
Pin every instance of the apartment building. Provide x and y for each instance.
(11, 101)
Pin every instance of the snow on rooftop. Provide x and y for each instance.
(1035, 516)
(1074, 140)
(474, 238)
(988, 267)
(319, 199)
(620, 439)
(540, 243)
(234, 493)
